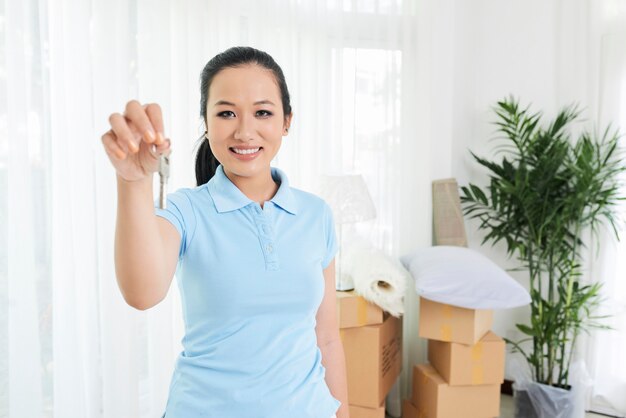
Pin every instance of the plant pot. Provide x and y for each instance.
(523, 405)
(537, 400)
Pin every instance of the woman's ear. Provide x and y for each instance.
(287, 124)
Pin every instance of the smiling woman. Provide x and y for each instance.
(254, 257)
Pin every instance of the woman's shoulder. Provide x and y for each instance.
(307, 197)
(191, 192)
(310, 202)
(190, 197)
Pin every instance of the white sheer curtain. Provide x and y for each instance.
(69, 345)
(607, 348)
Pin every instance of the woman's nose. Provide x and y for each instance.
(245, 128)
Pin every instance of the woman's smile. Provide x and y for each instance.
(246, 153)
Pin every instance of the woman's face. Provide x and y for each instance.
(245, 114)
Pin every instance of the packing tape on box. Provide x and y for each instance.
(361, 311)
(478, 376)
(342, 334)
(421, 413)
(446, 311)
(445, 332)
(477, 351)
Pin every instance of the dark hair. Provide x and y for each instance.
(206, 163)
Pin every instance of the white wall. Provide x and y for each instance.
(474, 54)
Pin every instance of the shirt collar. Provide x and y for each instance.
(228, 197)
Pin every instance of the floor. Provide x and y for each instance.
(507, 409)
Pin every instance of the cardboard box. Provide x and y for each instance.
(364, 412)
(354, 311)
(460, 364)
(434, 398)
(442, 322)
(409, 410)
(373, 360)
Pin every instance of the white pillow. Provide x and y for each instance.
(462, 277)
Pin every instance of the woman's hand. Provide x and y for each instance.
(136, 140)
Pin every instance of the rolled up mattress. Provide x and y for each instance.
(377, 277)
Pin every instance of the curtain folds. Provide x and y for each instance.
(605, 350)
(70, 346)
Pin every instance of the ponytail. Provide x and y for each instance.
(206, 163)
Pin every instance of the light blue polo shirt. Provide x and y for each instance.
(251, 281)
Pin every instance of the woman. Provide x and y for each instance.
(254, 257)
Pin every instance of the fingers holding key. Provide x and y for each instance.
(164, 148)
(135, 141)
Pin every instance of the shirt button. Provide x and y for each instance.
(269, 248)
(266, 229)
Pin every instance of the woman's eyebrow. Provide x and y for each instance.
(226, 103)
(265, 102)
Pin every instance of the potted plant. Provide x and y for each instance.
(546, 190)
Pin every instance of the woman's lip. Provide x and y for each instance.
(246, 157)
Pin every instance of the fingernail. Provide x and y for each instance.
(133, 147)
(150, 135)
(121, 155)
(159, 140)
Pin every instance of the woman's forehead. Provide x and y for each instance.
(241, 85)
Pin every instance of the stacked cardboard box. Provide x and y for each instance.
(372, 342)
(466, 365)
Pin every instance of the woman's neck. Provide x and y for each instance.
(260, 188)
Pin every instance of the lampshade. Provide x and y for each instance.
(348, 197)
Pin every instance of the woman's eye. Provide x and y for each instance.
(224, 113)
(264, 113)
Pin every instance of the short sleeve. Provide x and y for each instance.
(179, 212)
(332, 245)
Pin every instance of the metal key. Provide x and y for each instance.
(164, 174)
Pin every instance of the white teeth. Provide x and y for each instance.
(248, 151)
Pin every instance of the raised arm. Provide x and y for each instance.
(146, 246)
